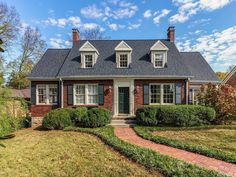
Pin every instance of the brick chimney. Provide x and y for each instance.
(75, 35)
(171, 34)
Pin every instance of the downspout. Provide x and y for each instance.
(62, 96)
(187, 90)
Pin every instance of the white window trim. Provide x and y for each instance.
(83, 58)
(164, 58)
(47, 94)
(162, 94)
(86, 95)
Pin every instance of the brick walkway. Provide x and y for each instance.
(128, 135)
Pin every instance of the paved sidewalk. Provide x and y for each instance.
(128, 135)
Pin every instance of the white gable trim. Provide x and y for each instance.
(88, 47)
(159, 46)
(231, 73)
(123, 46)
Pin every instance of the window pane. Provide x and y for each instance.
(52, 94)
(168, 94)
(155, 93)
(88, 61)
(92, 99)
(42, 94)
(80, 89)
(123, 60)
(158, 59)
(80, 99)
(80, 94)
(92, 89)
(92, 94)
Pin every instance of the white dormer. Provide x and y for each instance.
(123, 55)
(88, 54)
(159, 54)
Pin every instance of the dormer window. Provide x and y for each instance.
(123, 60)
(159, 59)
(88, 60)
(123, 55)
(159, 55)
(88, 54)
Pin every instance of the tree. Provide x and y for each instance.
(221, 75)
(31, 50)
(9, 25)
(93, 34)
(222, 98)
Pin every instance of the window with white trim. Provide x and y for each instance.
(159, 59)
(123, 60)
(46, 94)
(86, 94)
(161, 94)
(88, 60)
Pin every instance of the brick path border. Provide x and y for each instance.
(128, 135)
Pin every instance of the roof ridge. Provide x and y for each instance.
(63, 63)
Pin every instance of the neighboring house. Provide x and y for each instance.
(230, 79)
(21, 93)
(120, 75)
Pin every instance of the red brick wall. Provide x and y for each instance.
(232, 80)
(108, 95)
(138, 97)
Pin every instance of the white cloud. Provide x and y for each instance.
(62, 22)
(134, 26)
(91, 12)
(90, 26)
(163, 13)
(115, 27)
(59, 43)
(75, 21)
(188, 8)
(147, 14)
(218, 47)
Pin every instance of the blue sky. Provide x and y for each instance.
(207, 26)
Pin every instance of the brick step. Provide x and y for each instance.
(123, 122)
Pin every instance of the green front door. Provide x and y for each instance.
(123, 100)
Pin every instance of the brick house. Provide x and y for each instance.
(120, 75)
(230, 79)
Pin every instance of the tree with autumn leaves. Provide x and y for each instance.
(222, 98)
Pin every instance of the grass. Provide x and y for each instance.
(60, 153)
(213, 141)
(153, 160)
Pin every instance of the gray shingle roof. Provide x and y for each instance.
(50, 63)
(140, 65)
(198, 67)
(66, 62)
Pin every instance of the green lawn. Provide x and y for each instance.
(59, 153)
(222, 139)
(213, 141)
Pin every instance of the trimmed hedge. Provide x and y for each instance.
(96, 117)
(57, 119)
(166, 165)
(146, 133)
(176, 115)
(81, 116)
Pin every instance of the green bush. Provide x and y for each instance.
(97, 117)
(78, 114)
(176, 115)
(147, 116)
(8, 125)
(57, 119)
(25, 122)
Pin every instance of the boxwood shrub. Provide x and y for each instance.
(8, 125)
(78, 114)
(97, 117)
(57, 119)
(176, 115)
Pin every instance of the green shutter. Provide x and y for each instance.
(33, 94)
(178, 93)
(146, 94)
(70, 94)
(101, 94)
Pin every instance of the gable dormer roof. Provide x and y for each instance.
(123, 46)
(88, 47)
(159, 46)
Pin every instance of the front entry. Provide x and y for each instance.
(123, 100)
